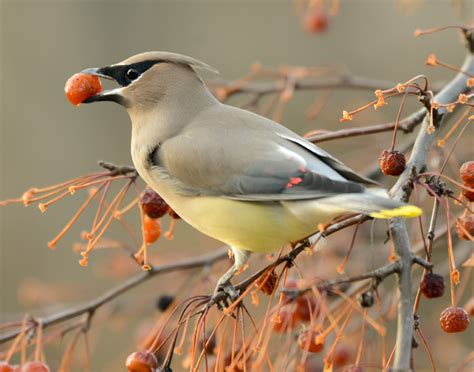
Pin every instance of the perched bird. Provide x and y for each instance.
(234, 175)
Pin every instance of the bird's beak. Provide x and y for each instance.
(106, 95)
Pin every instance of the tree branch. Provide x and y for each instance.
(91, 306)
(402, 191)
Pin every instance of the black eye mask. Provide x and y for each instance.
(126, 74)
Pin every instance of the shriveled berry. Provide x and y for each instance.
(468, 223)
(316, 21)
(468, 194)
(81, 86)
(432, 285)
(454, 319)
(392, 163)
(5, 367)
(35, 366)
(467, 172)
(307, 307)
(164, 302)
(366, 299)
(151, 229)
(469, 306)
(141, 361)
(284, 320)
(307, 341)
(267, 283)
(153, 204)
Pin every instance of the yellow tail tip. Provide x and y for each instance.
(406, 211)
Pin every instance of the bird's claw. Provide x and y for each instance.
(224, 293)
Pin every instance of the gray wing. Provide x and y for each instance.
(240, 156)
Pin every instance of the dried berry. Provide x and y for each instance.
(153, 204)
(316, 21)
(392, 163)
(82, 86)
(267, 283)
(468, 223)
(151, 229)
(467, 172)
(432, 285)
(468, 194)
(5, 367)
(366, 299)
(307, 341)
(164, 302)
(141, 361)
(454, 319)
(285, 319)
(306, 307)
(35, 366)
(469, 306)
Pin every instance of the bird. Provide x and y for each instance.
(232, 174)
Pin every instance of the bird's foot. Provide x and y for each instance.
(224, 294)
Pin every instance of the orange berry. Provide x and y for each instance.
(141, 361)
(392, 163)
(454, 319)
(467, 172)
(468, 223)
(153, 204)
(284, 320)
(5, 367)
(152, 229)
(432, 285)
(316, 22)
(35, 366)
(469, 195)
(81, 86)
(307, 342)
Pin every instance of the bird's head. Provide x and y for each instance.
(144, 79)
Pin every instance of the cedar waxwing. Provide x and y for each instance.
(234, 175)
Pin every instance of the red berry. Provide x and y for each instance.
(141, 361)
(454, 319)
(316, 21)
(468, 224)
(307, 307)
(341, 356)
(392, 163)
(151, 229)
(469, 306)
(307, 342)
(5, 367)
(153, 204)
(432, 285)
(285, 319)
(469, 195)
(267, 283)
(467, 172)
(82, 86)
(35, 367)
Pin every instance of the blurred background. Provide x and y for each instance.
(44, 140)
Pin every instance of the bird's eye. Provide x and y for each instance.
(132, 74)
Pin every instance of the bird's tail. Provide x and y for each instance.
(375, 203)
